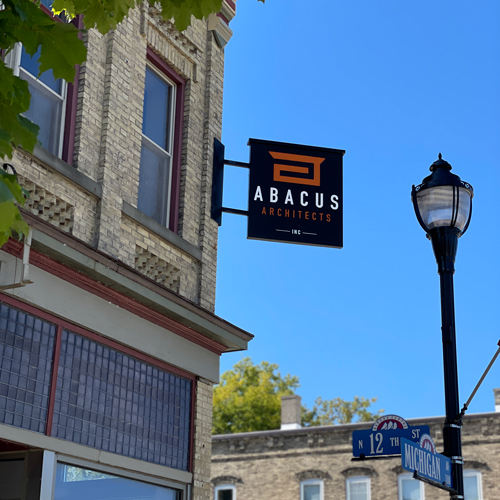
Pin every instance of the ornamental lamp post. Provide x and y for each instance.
(443, 206)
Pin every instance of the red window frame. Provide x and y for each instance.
(180, 83)
(62, 324)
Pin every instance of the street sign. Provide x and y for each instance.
(427, 465)
(384, 438)
(295, 194)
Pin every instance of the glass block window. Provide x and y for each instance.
(114, 402)
(26, 352)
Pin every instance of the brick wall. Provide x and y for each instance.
(203, 441)
(108, 148)
(272, 464)
(107, 153)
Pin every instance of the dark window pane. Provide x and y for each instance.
(156, 109)
(25, 369)
(11, 478)
(109, 403)
(225, 495)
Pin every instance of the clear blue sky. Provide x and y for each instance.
(393, 83)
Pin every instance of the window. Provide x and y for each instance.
(82, 388)
(225, 492)
(409, 488)
(48, 99)
(473, 489)
(27, 345)
(358, 488)
(312, 489)
(53, 101)
(161, 143)
(78, 483)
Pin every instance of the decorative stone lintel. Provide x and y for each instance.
(359, 471)
(222, 32)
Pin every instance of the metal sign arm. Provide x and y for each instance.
(466, 405)
(218, 182)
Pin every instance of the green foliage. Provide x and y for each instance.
(248, 398)
(106, 14)
(339, 411)
(10, 219)
(22, 21)
(60, 50)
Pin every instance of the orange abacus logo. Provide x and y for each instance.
(279, 168)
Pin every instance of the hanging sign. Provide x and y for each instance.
(295, 194)
(426, 464)
(384, 437)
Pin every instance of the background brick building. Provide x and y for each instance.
(315, 463)
(108, 342)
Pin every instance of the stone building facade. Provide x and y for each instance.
(109, 345)
(315, 463)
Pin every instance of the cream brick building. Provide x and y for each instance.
(315, 463)
(109, 345)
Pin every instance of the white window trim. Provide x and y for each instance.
(312, 482)
(358, 479)
(403, 477)
(169, 152)
(226, 486)
(477, 473)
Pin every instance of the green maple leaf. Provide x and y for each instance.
(182, 10)
(61, 50)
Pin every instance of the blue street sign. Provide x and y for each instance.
(384, 437)
(426, 464)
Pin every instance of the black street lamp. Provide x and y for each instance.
(443, 205)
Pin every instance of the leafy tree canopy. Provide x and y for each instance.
(248, 398)
(23, 21)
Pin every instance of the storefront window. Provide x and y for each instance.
(76, 483)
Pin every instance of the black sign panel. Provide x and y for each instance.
(295, 194)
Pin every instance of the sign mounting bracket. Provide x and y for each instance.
(218, 183)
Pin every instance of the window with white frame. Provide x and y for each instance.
(311, 489)
(155, 175)
(48, 98)
(473, 488)
(225, 492)
(409, 488)
(358, 488)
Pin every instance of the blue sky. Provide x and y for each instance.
(393, 83)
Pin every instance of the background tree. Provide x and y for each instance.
(23, 21)
(339, 411)
(248, 398)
